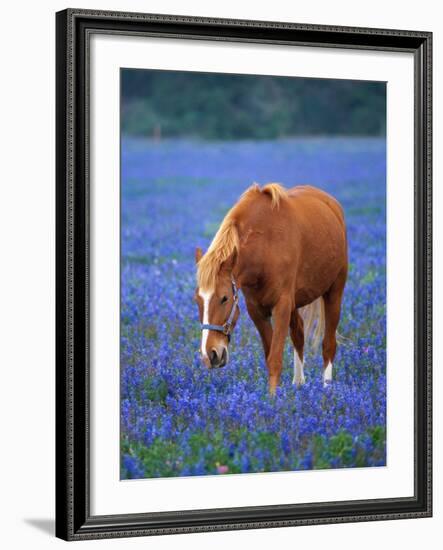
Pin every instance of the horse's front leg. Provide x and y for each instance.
(281, 315)
(263, 325)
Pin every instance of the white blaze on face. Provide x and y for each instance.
(206, 297)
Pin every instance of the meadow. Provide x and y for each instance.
(177, 417)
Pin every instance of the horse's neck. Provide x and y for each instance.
(235, 272)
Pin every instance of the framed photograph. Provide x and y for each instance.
(243, 274)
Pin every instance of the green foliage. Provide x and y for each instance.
(224, 106)
(344, 451)
(213, 449)
(156, 391)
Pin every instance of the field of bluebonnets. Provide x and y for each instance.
(178, 418)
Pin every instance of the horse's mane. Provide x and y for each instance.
(226, 241)
(274, 190)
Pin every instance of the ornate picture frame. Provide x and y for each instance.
(74, 29)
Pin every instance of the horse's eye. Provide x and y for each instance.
(224, 299)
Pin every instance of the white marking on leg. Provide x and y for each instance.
(299, 377)
(206, 297)
(327, 374)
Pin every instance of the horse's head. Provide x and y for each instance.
(218, 311)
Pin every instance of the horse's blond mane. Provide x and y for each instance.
(274, 190)
(222, 247)
(277, 193)
(226, 240)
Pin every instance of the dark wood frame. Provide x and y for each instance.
(73, 518)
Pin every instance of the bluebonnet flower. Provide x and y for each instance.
(178, 418)
(132, 469)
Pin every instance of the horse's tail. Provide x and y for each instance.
(313, 316)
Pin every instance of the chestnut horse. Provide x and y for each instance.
(286, 249)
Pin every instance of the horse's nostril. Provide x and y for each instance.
(214, 357)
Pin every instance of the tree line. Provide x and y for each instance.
(225, 107)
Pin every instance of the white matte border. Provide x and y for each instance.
(109, 495)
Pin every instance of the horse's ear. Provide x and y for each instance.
(198, 254)
(228, 265)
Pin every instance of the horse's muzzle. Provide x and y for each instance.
(218, 361)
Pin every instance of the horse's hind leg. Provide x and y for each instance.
(332, 300)
(298, 339)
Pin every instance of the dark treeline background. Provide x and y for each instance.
(223, 106)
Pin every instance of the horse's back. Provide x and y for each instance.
(300, 242)
(306, 195)
(305, 212)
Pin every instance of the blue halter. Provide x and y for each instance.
(227, 327)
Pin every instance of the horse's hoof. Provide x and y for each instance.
(299, 382)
